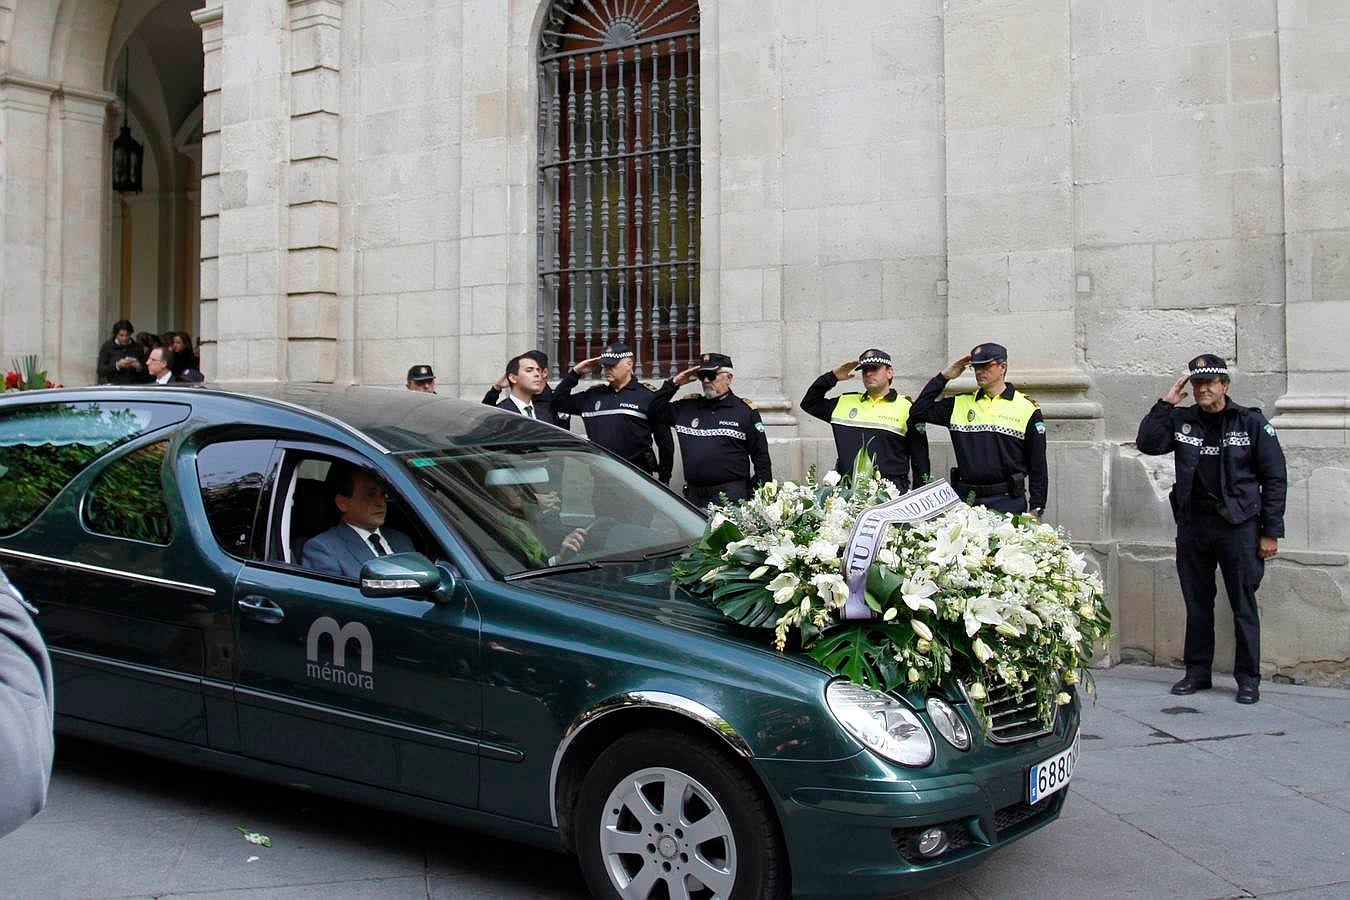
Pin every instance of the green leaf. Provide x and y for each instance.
(856, 653)
(747, 604)
(884, 583)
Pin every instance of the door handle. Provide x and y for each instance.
(261, 609)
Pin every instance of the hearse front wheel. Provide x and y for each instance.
(665, 815)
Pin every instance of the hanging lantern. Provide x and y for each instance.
(128, 153)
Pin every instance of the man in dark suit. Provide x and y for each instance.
(526, 380)
(360, 536)
(159, 365)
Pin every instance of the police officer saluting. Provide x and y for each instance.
(998, 433)
(615, 413)
(878, 419)
(1228, 502)
(720, 434)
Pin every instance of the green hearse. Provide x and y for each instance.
(528, 670)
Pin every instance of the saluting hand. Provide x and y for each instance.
(502, 383)
(1175, 394)
(844, 371)
(686, 376)
(956, 368)
(587, 366)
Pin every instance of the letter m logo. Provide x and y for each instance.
(340, 635)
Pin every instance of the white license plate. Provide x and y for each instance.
(1046, 778)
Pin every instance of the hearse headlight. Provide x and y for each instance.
(949, 723)
(881, 723)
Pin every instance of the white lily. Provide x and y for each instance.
(831, 588)
(889, 614)
(917, 593)
(976, 691)
(921, 629)
(784, 587)
(983, 610)
(831, 478)
(983, 652)
(759, 573)
(950, 544)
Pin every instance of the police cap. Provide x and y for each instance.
(615, 353)
(712, 363)
(421, 373)
(1207, 366)
(873, 357)
(987, 353)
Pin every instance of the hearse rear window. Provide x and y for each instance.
(44, 446)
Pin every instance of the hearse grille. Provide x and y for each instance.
(1013, 714)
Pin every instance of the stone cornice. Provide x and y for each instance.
(1061, 394)
(208, 15)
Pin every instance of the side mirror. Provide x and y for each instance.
(406, 574)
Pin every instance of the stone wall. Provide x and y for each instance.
(1108, 187)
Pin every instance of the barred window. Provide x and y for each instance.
(618, 181)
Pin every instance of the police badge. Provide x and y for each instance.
(970, 416)
(597, 406)
(1186, 428)
(693, 423)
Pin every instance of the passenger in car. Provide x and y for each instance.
(518, 521)
(360, 536)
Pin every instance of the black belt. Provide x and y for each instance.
(737, 482)
(1013, 486)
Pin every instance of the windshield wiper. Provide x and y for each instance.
(563, 569)
(672, 550)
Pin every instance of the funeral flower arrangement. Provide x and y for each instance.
(985, 597)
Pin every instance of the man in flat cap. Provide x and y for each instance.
(878, 418)
(721, 435)
(1228, 502)
(615, 413)
(493, 397)
(998, 434)
(421, 378)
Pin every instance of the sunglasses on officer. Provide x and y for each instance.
(709, 374)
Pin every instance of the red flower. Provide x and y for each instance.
(11, 380)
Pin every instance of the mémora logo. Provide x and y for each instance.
(340, 636)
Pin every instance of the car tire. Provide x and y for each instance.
(718, 840)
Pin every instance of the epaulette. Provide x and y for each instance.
(647, 386)
(692, 395)
(749, 403)
(907, 398)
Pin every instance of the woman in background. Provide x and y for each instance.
(120, 359)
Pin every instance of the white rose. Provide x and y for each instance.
(1071, 677)
(1062, 698)
(831, 478)
(913, 675)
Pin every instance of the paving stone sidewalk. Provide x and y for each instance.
(1177, 797)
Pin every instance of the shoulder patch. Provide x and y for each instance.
(759, 426)
(1268, 429)
(1040, 427)
(919, 427)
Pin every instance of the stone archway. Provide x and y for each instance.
(59, 279)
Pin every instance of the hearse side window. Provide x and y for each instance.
(127, 499)
(44, 446)
(231, 475)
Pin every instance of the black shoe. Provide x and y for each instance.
(1248, 693)
(1192, 683)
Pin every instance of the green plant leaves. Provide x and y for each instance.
(858, 652)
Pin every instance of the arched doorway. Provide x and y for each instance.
(155, 63)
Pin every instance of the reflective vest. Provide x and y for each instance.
(856, 411)
(993, 415)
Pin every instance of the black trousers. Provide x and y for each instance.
(1204, 540)
(702, 494)
(1004, 503)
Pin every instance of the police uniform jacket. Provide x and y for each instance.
(618, 421)
(994, 438)
(1251, 462)
(719, 439)
(893, 436)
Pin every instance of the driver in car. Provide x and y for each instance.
(360, 536)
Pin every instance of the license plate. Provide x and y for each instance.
(1049, 777)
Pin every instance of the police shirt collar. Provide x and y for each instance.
(1008, 391)
(889, 398)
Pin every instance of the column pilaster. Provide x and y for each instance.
(311, 264)
(211, 21)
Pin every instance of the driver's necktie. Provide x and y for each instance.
(378, 545)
